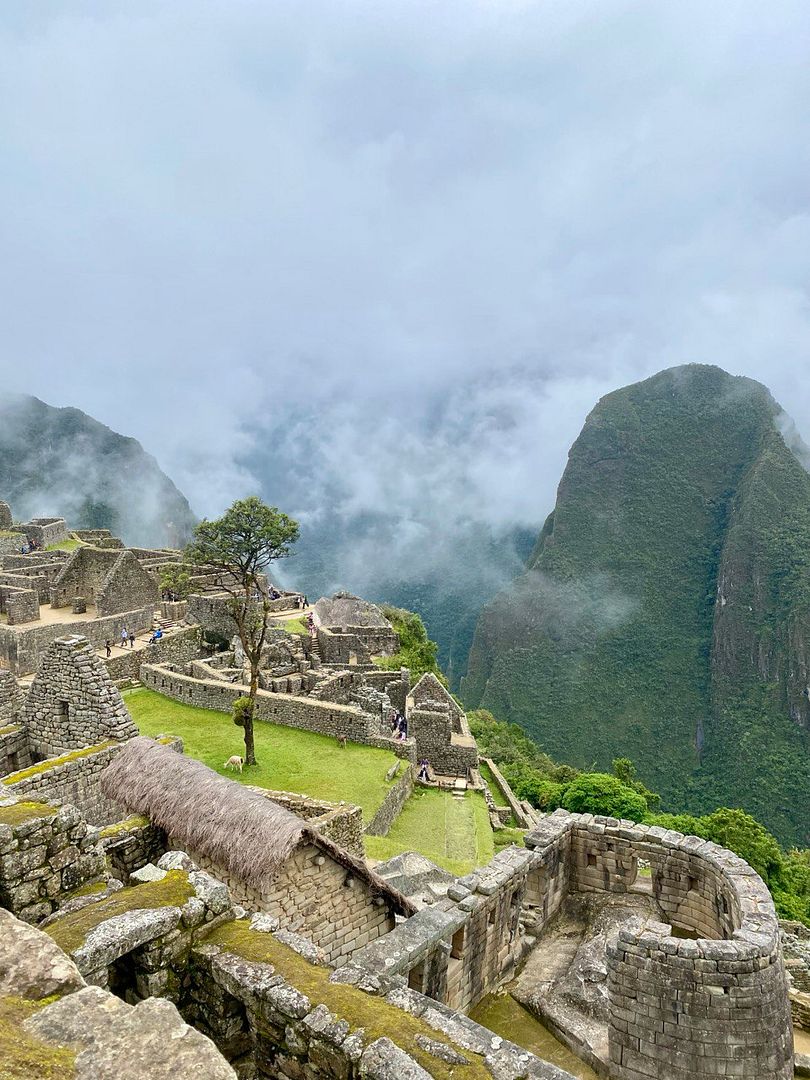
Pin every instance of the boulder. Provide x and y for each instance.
(32, 965)
(116, 1041)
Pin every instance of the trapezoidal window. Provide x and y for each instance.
(62, 707)
(591, 860)
(457, 945)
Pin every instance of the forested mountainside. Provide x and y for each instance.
(665, 612)
(62, 462)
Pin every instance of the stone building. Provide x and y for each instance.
(439, 729)
(73, 703)
(107, 578)
(272, 860)
(352, 631)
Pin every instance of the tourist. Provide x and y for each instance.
(124, 637)
(423, 770)
(108, 647)
(131, 640)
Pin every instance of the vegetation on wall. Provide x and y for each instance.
(416, 651)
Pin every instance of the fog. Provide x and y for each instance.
(382, 259)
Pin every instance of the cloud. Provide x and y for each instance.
(371, 256)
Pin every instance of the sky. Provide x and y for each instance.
(390, 254)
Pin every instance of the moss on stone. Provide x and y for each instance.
(136, 821)
(361, 1010)
(9, 729)
(52, 763)
(90, 889)
(71, 931)
(23, 1057)
(19, 812)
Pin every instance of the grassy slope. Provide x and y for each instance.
(454, 833)
(603, 649)
(289, 760)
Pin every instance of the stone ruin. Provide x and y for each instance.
(128, 889)
(72, 703)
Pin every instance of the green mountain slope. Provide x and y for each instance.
(665, 614)
(63, 462)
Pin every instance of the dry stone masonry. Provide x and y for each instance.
(73, 703)
(163, 886)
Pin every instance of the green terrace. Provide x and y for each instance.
(453, 832)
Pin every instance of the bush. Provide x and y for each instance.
(599, 793)
(242, 708)
(416, 651)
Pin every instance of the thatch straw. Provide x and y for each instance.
(219, 818)
(241, 830)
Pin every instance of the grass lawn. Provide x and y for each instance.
(498, 796)
(66, 545)
(454, 833)
(289, 760)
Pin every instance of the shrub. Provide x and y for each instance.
(599, 793)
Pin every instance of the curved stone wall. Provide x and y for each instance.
(712, 1003)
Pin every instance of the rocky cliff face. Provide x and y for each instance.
(63, 462)
(665, 613)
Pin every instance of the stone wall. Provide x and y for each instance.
(72, 703)
(211, 612)
(317, 896)
(111, 579)
(176, 646)
(387, 814)
(306, 713)
(36, 576)
(128, 585)
(341, 823)
(15, 749)
(131, 844)
(45, 530)
(272, 1029)
(19, 605)
(84, 575)
(45, 852)
(22, 648)
(70, 778)
(713, 1007)
(356, 644)
(449, 753)
(10, 698)
(465, 946)
(514, 806)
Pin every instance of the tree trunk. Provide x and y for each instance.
(250, 752)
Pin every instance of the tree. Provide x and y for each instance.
(599, 793)
(175, 579)
(241, 544)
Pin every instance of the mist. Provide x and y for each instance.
(378, 262)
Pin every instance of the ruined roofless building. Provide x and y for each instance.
(73, 703)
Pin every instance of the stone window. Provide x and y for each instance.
(457, 945)
(62, 709)
(591, 859)
(416, 977)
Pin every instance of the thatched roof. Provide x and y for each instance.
(241, 830)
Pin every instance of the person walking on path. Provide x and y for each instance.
(131, 640)
(108, 647)
(124, 637)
